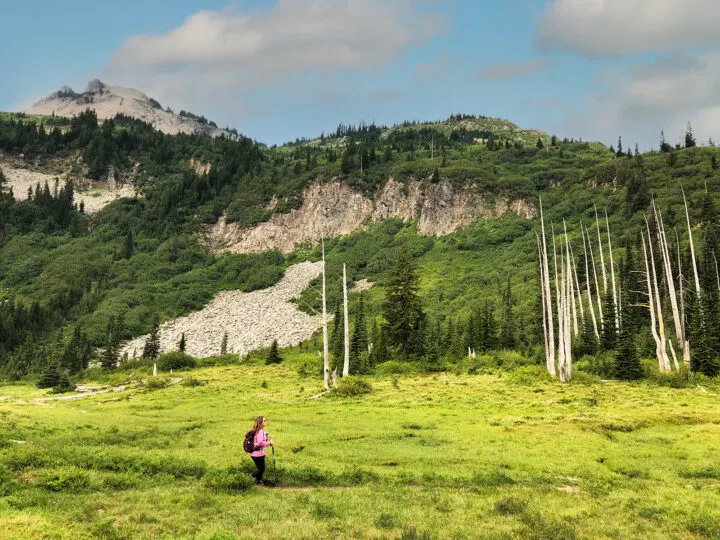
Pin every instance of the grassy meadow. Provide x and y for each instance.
(449, 455)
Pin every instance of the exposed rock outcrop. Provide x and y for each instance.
(251, 320)
(108, 101)
(333, 209)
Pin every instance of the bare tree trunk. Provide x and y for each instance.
(326, 360)
(717, 272)
(602, 257)
(544, 308)
(587, 283)
(651, 305)
(597, 284)
(692, 248)
(346, 364)
(561, 307)
(568, 338)
(658, 305)
(577, 288)
(662, 237)
(548, 299)
(681, 280)
(612, 275)
(571, 283)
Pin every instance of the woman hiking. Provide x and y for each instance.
(261, 440)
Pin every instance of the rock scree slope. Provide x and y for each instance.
(252, 320)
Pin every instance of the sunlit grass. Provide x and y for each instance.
(441, 455)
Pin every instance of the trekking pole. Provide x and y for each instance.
(274, 468)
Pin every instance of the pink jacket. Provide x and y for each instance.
(261, 441)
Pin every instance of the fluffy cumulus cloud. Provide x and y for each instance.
(666, 94)
(229, 54)
(509, 70)
(619, 27)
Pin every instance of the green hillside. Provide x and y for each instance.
(65, 274)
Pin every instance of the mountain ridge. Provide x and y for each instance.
(110, 100)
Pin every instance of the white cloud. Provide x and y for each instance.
(619, 27)
(638, 102)
(227, 56)
(509, 70)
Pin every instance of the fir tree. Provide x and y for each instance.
(181, 345)
(627, 362)
(403, 308)
(128, 246)
(689, 137)
(337, 339)
(273, 356)
(540, 145)
(50, 376)
(224, 344)
(359, 339)
(608, 336)
(507, 324)
(152, 345)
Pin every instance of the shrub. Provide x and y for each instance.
(68, 480)
(353, 386)
(193, 382)
(509, 506)
(230, 479)
(63, 385)
(222, 360)
(157, 383)
(386, 521)
(510, 360)
(482, 364)
(394, 367)
(176, 360)
(528, 375)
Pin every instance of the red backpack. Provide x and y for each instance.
(249, 442)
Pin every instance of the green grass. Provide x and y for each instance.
(432, 456)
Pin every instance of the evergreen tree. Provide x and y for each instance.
(50, 376)
(619, 152)
(273, 356)
(627, 361)
(664, 146)
(181, 345)
(337, 339)
(347, 165)
(152, 345)
(608, 336)
(689, 137)
(540, 145)
(588, 343)
(403, 308)
(714, 163)
(64, 384)
(224, 344)
(359, 339)
(109, 358)
(507, 324)
(488, 328)
(128, 246)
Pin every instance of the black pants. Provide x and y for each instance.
(260, 464)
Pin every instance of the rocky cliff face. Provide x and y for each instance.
(333, 209)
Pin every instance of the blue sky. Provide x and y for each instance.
(280, 69)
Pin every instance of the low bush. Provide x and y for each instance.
(509, 506)
(68, 480)
(394, 367)
(230, 479)
(510, 360)
(221, 360)
(353, 386)
(157, 383)
(176, 360)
